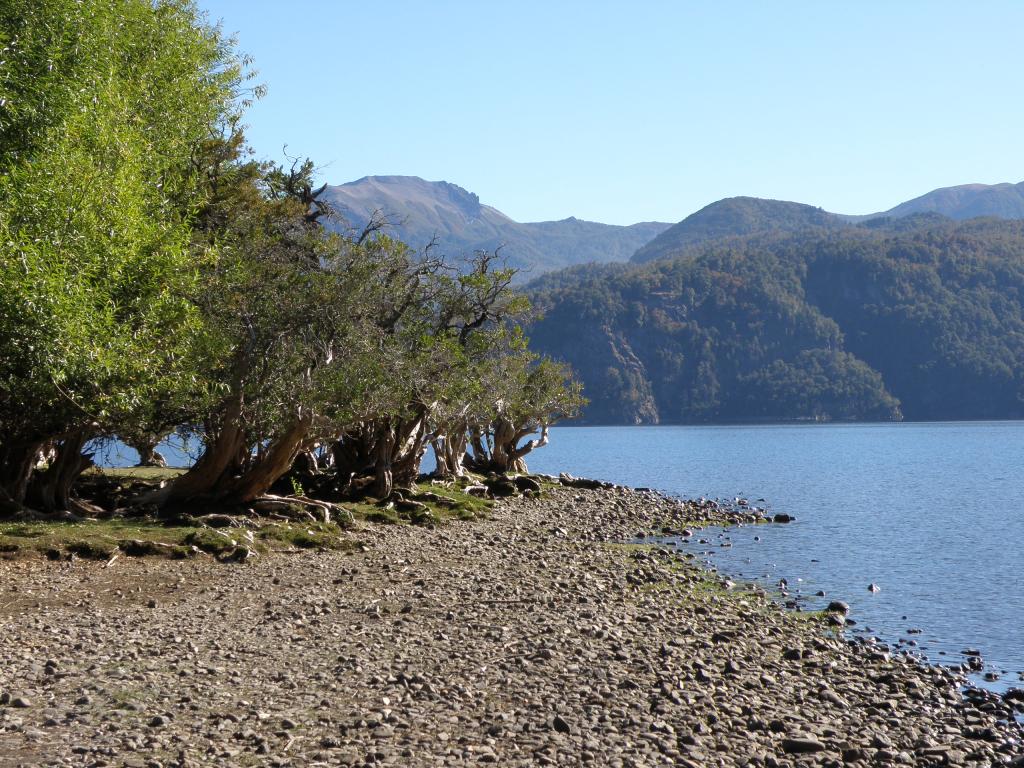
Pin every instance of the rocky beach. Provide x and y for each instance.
(537, 636)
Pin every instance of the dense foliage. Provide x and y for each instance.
(153, 276)
(918, 318)
(101, 107)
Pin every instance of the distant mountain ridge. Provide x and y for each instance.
(967, 201)
(737, 217)
(421, 210)
(743, 216)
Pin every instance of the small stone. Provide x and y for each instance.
(152, 603)
(799, 746)
(21, 702)
(881, 741)
(561, 725)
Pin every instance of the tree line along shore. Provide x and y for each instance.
(156, 277)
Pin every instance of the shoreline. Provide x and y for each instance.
(972, 664)
(534, 637)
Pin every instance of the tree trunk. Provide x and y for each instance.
(17, 460)
(50, 491)
(481, 457)
(450, 453)
(502, 458)
(383, 483)
(221, 454)
(518, 454)
(354, 453)
(276, 461)
(409, 453)
(148, 455)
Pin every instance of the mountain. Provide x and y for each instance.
(919, 317)
(742, 216)
(733, 217)
(967, 201)
(419, 210)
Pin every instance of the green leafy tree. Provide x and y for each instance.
(103, 105)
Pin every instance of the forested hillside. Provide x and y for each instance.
(967, 201)
(737, 217)
(917, 318)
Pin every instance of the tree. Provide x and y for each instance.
(103, 105)
(532, 394)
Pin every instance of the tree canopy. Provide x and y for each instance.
(155, 276)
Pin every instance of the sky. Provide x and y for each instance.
(637, 111)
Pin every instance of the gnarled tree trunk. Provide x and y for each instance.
(146, 448)
(223, 451)
(383, 482)
(50, 490)
(354, 453)
(505, 454)
(450, 453)
(275, 461)
(409, 452)
(17, 460)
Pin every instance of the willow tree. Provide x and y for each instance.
(103, 104)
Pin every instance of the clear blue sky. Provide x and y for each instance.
(630, 111)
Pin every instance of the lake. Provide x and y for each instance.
(931, 513)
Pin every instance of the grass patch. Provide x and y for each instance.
(135, 473)
(305, 536)
(93, 539)
(213, 541)
(440, 505)
(101, 539)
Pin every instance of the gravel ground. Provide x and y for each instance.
(526, 639)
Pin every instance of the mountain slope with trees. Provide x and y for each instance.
(420, 211)
(918, 318)
(737, 217)
(746, 216)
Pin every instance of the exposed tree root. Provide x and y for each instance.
(314, 509)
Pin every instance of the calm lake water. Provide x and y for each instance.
(932, 513)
